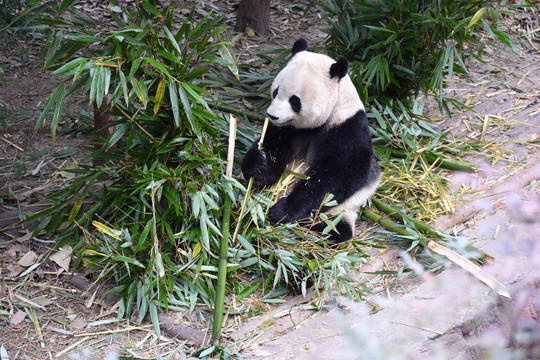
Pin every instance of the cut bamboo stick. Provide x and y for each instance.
(224, 244)
(471, 267)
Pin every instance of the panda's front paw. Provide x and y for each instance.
(279, 212)
(254, 164)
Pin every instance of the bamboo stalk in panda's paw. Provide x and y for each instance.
(250, 184)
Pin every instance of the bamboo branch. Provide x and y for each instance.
(430, 158)
(387, 223)
(394, 212)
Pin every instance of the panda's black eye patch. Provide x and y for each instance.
(274, 94)
(296, 104)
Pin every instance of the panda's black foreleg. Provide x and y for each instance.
(344, 231)
(305, 198)
(267, 165)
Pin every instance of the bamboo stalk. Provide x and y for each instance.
(394, 212)
(387, 223)
(431, 159)
(471, 267)
(250, 185)
(224, 243)
(219, 303)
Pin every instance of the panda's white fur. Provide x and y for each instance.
(317, 118)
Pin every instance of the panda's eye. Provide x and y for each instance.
(274, 94)
(296, 104)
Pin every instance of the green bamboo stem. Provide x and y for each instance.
(224, 243)
(387, 223)
(219, 302)
(222, 271)
(394, 212)
(430, 158)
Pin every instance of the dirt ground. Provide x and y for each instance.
(43, 317)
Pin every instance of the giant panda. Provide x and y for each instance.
(317, 118)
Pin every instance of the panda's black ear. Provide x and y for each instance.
(299, 45)
(339, 68)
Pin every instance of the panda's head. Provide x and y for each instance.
(312, 90)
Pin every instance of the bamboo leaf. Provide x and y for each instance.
(84, 38)
(190, 88)
(246, 244)
(115, 234)
(197, 249)
(83, 66)
(94, 76)
(138, 90)
(123, 83)
(144, 235)
(248, 290)
(204, 232)
(225, 53)
(70, 65)
(169, 56)
(159, 66)
(142, 303)
(57, 112)
(504, 38)
(134, 67)
(53, 98)
(93, 252)
(159, 264)
(171, 38)
(128, 260)
(64, 5)
(160, 94)
(151, 9)
(75, 209)
(107, 80)
(173, 96)
(476, 17)
(152, 309)
(187, 109)
(116, 135)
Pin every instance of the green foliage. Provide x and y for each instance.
(8, 11)
(155, 199)
(399, 48)
(146, 215)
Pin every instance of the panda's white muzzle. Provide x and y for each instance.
(272, 117)
(280, 113)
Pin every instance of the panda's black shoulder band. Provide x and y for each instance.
(339, 68)
(299, 45)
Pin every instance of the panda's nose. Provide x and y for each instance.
(272, 117)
